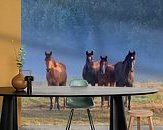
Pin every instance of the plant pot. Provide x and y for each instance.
(18, 82)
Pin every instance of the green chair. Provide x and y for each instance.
(79, 102)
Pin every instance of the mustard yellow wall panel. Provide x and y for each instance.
(10, 29)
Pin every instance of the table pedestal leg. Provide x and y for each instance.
(117, 114)
(9, 113)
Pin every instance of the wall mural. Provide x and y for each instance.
(69, 28)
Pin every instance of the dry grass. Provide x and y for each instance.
(35, 111)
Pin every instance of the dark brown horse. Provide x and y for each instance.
(124, 73)
(90, 69)
(106, 76)
(56, 75)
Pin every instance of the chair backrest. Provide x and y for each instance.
(78, 83)
(79, 102)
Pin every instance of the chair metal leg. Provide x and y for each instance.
(69, 120)
(90, 120)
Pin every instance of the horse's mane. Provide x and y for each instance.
(54, 62)
(126, 61)
(126, 58)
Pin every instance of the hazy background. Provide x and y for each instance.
(109, 27)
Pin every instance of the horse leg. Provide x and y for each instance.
(57, 106)
(93, 84)
(121, 84)
(129, 101)
(64, 102)
(125, 102)
(102, 102)
(111, 84)
(102, 97)
(64, 98)
(107, 98)
(51, 103)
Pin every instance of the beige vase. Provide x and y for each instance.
(18, 82)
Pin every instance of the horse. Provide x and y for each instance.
(55, 75)
(106, 76)
(90, 69)
(124, 73)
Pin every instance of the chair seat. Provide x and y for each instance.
(140, 113)
(79, 102)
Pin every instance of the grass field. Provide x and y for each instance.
(35, 111)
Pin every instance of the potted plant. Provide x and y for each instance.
(20, 58)
(18, 81)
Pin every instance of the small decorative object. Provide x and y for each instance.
(29, 80)
(18, 82)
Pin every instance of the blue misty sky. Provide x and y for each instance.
(69, 28)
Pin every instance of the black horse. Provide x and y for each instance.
(124, 73)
